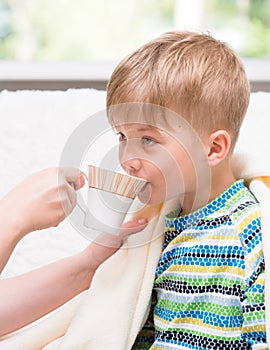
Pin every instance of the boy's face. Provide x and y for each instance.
(171, 163)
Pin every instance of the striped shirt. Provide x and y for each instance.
(209, 286)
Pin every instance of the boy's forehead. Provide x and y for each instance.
(148, 115)
(153, 117)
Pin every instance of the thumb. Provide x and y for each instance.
(73, 176)
(132, 226)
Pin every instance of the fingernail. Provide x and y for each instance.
(142, 221)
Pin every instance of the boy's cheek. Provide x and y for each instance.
(174, 184)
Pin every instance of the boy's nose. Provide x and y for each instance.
(130, 156)
(131, 166)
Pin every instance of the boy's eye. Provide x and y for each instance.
(121, 137)
(148, 141)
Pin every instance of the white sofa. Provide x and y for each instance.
(35, 126)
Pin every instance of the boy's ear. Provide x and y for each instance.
(218, 147)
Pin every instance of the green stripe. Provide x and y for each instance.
(254, 316)
(224, 281)
(255, 297)
(200, 306)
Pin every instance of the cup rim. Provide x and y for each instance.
(117, 172)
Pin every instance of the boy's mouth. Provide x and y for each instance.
(144, 187)
(145, 193)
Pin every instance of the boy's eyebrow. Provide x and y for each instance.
(153, 129)
(146, 128)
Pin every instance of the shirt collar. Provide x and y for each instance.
(179, 223)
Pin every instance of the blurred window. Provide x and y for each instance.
(91, 30)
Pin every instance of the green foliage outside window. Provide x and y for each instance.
(102, 30)
(249, 17)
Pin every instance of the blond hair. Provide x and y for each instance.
(199, 77)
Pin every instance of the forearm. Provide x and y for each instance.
(28, 297)
(10, 233)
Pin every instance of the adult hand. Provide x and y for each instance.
(105, 245)
(43, 199)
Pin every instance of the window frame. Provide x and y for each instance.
(64, 75)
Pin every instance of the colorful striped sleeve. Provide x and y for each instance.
(253, 329)
(253, 307)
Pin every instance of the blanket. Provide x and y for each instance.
(112, 311)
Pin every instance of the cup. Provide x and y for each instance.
(109, 197)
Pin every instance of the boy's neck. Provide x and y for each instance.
(221, 179)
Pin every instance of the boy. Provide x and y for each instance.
(177, 104)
